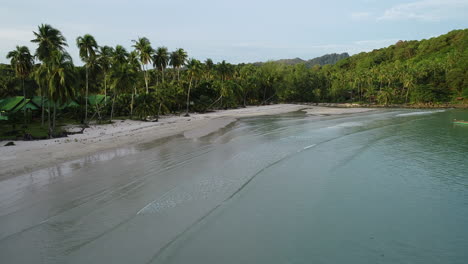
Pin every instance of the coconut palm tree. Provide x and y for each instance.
(161, 59)
(87, 46)
(61, 79)
(40, 76)
(48, 39)
(209, 66)
(145, 53)
(134, 64)
(194, 69)
(122, 79)
(120, 55)
(104, 61)
(177, 60)
(22, 62)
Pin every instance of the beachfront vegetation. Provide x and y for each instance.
(148, 81)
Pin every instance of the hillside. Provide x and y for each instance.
(323, 60)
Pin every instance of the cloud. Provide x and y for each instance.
(360, 15)
(427, 10)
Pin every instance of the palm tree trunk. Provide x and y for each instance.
(105, 89)
(188, 97)
(178, 73)
(49, 120)
(162, 73)
(131, 104)
(42, 107)
(86, 98)
(112, 109)
(24, 98)
(55, 113)
(146, 78)
(159, 111)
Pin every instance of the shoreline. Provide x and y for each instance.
(28, 156)
(392, 106)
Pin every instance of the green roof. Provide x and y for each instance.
(72, 104)
(96, 99)
(26, 104)
(10, 103)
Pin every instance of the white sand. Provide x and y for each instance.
(28, 156)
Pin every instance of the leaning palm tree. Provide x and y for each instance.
(22, 62)
(104, 61)
(87, 46)
(177, 60)
(61, 80)
(161, 59)
(194, 69)
(145, 52)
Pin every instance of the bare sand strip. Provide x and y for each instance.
(29, 156)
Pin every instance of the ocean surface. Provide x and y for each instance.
(387, 186)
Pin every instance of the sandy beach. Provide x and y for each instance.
(27, 156)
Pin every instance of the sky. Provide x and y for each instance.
(238, 30)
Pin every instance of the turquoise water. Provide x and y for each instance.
(388, 186)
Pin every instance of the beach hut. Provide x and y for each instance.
(9, 104)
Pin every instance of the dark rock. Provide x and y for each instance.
(11, 143)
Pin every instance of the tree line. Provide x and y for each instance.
(147, 81)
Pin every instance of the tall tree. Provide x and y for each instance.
(61, 81)
(104, 61)
(161, 60)
(145, 53)
(194, 69)
(87, 46)
(177, 60)
(40, 76)
(48, 39)
(22, 62)
(134, 65)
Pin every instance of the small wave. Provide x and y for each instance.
(311, 146)
(347, 124)
(421, 113)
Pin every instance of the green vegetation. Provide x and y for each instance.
(321, 61)
(147, 82)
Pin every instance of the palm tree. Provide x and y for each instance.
(22, 62)
(122, 78)
(134, 64)
(40, 76)
(161, 59)
(88, 46)
(177, 59)
(209, 66)
(61, 80)
(145, 52)
(48, 39)
(104, 61)
(120, 55)
(194, 68)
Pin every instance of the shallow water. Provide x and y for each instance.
(379, 187)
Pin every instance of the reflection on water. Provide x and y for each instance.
(320, 189)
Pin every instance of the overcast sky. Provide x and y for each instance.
(235, 30)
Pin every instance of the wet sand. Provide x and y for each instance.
(29, 156)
